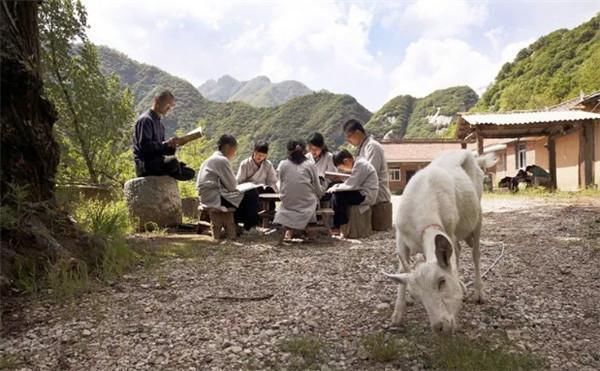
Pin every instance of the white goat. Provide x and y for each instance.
(440, 206)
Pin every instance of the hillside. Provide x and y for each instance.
(258, 92)
(143, 80)
(321, 111)
(430, 116)
(554, 68)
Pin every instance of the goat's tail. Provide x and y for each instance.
(486, 161)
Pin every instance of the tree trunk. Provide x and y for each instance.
(30, 154)
(33, 229)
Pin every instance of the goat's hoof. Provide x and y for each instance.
(479, 298)
(396, 319)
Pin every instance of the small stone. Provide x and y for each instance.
(235, 349)
(382, 306)
(86, 332)
(147, 310)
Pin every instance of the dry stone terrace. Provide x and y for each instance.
(253, 305)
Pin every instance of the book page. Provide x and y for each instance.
(333, 174)
(191, 135)
(243, 187)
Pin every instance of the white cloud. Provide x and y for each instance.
(363, 48)
(431, 64)
(509, 52)
(436, 18)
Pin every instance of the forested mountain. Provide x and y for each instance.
(430, 116)
(554, 68)
(322, 111)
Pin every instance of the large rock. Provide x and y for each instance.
(154, 199)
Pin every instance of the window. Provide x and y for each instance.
(395, 175)
(521, 156)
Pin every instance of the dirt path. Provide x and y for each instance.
(315, 305)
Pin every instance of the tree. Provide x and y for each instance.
(95, 113)
(33, 229)
(30, 154)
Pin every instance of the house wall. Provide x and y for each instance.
(396, 186)
(541, 154)
(567, 162)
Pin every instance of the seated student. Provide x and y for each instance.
(300, 189)
(359, 189)
(153, 155)
(372, 150)
(257, 169)
(319, 155)
(216, 185)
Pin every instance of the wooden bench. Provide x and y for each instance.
(359, 224)
(220, 219)
(312, 230)
(382, 216)
(326, 216)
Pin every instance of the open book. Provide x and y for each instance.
(188, 137)
(243, 187)
(333, 174)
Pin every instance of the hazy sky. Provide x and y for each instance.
(373, 50)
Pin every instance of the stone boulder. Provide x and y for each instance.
(154, 199)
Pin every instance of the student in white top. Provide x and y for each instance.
(370, 149)
(300, 189)
(359, 189)
(258, 169)
(216, 185)
(319, 155)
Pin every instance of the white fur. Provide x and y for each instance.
(440, 206)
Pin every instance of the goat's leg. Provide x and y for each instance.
(478, 284)
(400, 306)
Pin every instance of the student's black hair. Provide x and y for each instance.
(226, 139)
(261, 146)
(353, 125)
(296, 152)
(317, 140)
(161, 95)
(340, 156)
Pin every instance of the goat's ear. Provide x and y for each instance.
(443, 251)
(400, 277)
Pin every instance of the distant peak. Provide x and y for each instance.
(226, 78)
(262, 78)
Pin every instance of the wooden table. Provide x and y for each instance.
(265, 212)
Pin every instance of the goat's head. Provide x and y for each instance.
(435, 283)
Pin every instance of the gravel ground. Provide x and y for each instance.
(237, 305)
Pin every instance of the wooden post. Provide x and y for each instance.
(552, 160)
(588, 154)
(479, 143)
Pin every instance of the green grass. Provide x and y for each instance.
(67, 278)
(9, 362)
(461, 353)
(308, 351)
(382, 348)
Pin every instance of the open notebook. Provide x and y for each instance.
(192, 135)
(333, 174)
(243, 187)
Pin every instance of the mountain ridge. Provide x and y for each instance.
(259, 91)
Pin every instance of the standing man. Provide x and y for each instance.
(370, 149)
(153, 155)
